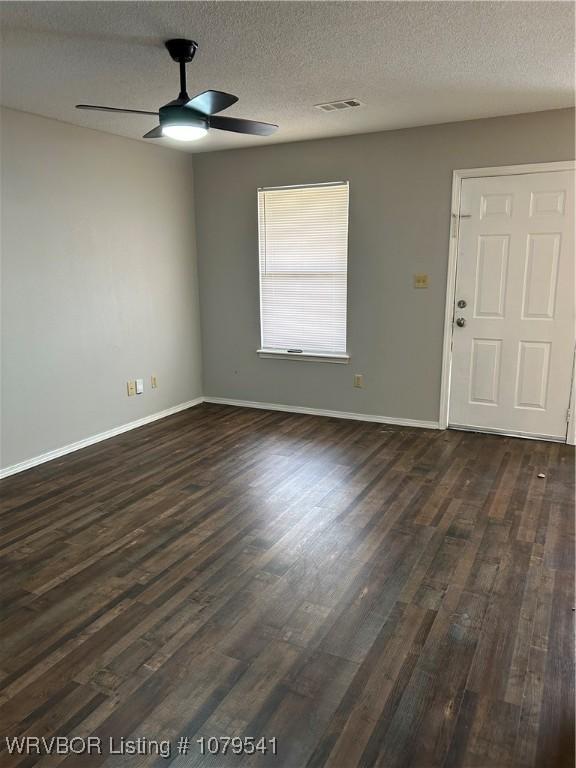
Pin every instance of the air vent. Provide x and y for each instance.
(333, 106)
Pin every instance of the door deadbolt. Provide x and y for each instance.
(461, 304)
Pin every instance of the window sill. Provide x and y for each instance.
(310, 357)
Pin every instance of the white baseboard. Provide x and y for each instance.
(321, 412)
(33, 462)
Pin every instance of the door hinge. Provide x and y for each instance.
(568, 414)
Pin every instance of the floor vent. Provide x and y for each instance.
(333, 106)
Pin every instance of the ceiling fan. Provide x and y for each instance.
(185, 118)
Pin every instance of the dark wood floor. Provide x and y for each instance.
(368, 595)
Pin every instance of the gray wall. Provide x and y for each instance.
(400, 187)
(99, 270)
(98, 282)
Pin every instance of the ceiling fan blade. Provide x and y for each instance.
(242, 126)
(96, 108)
(155, 133)
(210, 102)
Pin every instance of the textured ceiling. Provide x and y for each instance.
(410, 63)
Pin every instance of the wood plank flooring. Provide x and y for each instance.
(367, 595)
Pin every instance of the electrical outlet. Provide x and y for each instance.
(131, 388)
(153, 382)
(421, 280)
(139, 386)
(359, 380)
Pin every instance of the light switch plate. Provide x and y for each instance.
(359, 380)
(421, 280)
(130, 388)
(153, 382)
(139, 386)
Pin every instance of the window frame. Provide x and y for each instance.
(305, 355)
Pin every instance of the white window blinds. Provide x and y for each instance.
(303, 244)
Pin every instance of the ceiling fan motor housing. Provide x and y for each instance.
(178, 114)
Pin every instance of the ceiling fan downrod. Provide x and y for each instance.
(182, 51)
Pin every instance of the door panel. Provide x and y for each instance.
(541, 276)
(512, 353)
(533, 369)
(491, 273)
(495, 205)
(485, 371)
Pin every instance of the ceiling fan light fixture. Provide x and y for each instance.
(184, 132)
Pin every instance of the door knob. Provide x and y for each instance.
(460, 322)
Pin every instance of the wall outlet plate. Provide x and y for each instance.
(139, 386)
(421, 280)
(131, 388)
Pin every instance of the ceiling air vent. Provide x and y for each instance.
(333, 106)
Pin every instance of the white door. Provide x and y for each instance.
(513, 333)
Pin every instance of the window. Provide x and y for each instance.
(303, 245)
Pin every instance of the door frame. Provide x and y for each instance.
(457, 178)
